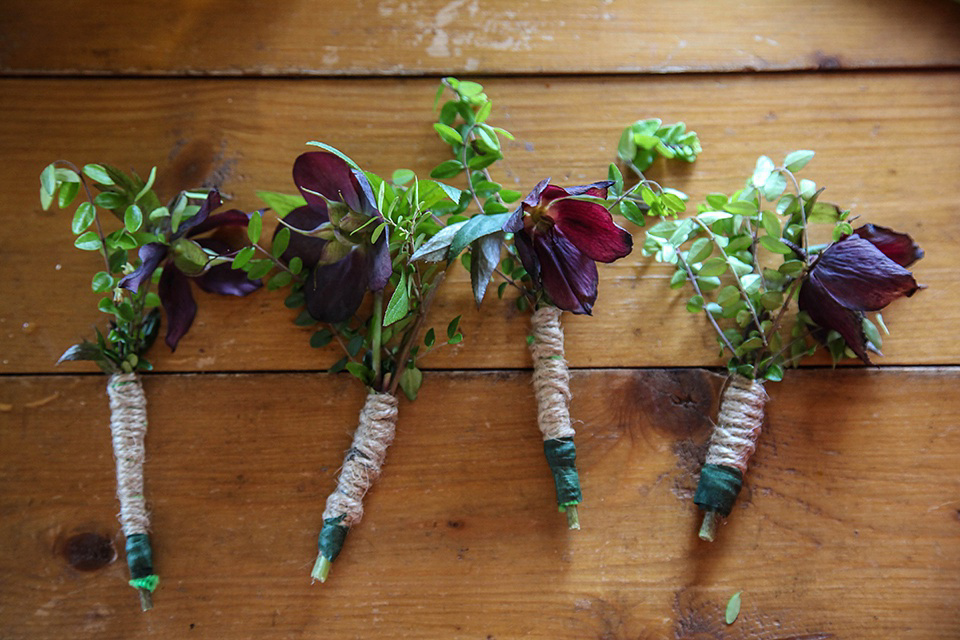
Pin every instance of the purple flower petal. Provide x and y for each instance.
(334, 291)
(379, 264)
(212, 202)
(590, 227)
(860, 277)
(533, 198)
(899, 247)
(231, 218)
(553, 192)
(368, 203)
(227, 281)
(319, 174)
(151, 255)
(178, 303)
(528, 257)
(569, 277)
(827, 312)
(306, 248)
(515, 222)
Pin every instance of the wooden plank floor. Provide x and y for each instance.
(849, 526)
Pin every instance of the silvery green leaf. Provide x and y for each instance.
(486, 254)
(435, 249)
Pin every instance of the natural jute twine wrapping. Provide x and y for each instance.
(551, 378)
(738, 426)
(361, 466)
(128, 425)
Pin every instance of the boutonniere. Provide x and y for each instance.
(773, 297)
(141, 243)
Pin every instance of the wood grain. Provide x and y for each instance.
(888, 147)
(411, 37)
(848, 524)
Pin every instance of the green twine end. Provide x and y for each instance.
(561, 455)
(147, 582)
(718, 488)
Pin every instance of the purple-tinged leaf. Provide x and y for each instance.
(151, 255)
(178, 303)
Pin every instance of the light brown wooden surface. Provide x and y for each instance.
(848, 524)
(888, 147)
(411, 37)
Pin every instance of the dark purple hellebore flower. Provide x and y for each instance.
(559, 240)
(862, 272)
(184, 257)
(334, 244)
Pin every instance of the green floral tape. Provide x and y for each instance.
(718, 488)
(561, 455)
(139, 556)
(331, 538)
(147, 582)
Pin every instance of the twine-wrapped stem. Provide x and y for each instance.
(733, 441)
(551, 383)
(361, 468)
(128, 427)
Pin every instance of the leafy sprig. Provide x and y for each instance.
(644, 140)
(134, 316)
(745, 256)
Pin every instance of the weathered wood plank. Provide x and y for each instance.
(399, 37)
(848, 525)
(888, 147)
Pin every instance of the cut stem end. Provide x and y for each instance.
(146, 599)
(321, 569)
(573, 517)
(708, 530)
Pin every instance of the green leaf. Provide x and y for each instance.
(771, 224)
(771, 243)
(448, 134)
(321, 338)
(841, 230)
(281, 203)
(68, 192)
(733, 606)
(791, 268)
(452, 327)
(151, 300)
(258, 268)
(88, 241)
(728, 295)
(476, 227)
(775, 374)
(774, 186)
(255, 227)
(403, 176)
(148, 185)
(436, 248)
(98, 174)
(279, 280)
(280, 242)
(48, 180)
(771, 300)
(399, 303)
(872, 333)
(751, 283)
(824, 213)
(695, 304)
(447, 169)
(762, 171)
(410, 382)
(713, 267)
(677, 280)
(484, 254)
(83, 217)
(133, 218)
(430, 337)
(709, 217)
(741, 207)
(700, 250)
(673, 202)
(360, 372)
(109, 200)
(243, 257)
(797, 160)
(484, 112)
(102, 282)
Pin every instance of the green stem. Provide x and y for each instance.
(708, 530)
(376, 332)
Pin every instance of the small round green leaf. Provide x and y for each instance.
(83, 217)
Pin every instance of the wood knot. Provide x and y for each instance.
(88, 551)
